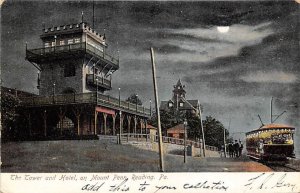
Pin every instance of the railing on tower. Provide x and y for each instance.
(97, 80)
(83, 46)
(103, 100)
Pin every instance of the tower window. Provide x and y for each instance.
(170, 104)
(181, 104)
(69, 70)
(70, 41)
(61, 42)
(53, 43)
(77, 40)
(47, 44)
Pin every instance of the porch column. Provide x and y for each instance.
(135, 119)
(45, 122)
(114, 124)
(77, 112)
(95, 122)
(146, 132)
(104, 122)
(145, 124)
(120, 129)
(29, 123)
(128, 121)
(141, 123)
(61, 116)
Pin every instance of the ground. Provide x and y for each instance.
(96, 156)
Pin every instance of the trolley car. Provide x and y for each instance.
(272, 143)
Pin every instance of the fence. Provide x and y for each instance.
(154, 138)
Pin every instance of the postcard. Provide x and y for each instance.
(150, 96)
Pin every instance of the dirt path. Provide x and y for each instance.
(95, 156)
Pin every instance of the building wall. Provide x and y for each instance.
(54, 73)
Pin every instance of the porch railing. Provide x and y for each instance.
(103, 100)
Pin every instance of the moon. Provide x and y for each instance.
(223, 29)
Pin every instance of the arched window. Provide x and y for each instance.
(69, 70)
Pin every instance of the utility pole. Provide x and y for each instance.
(184, 151)
(120, 130)
(202, 130)
(224, 142)
(271, 110)
(157, 112)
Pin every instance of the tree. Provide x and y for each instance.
(194, 127)
(214, 132)
(134, 99)
(9, 103)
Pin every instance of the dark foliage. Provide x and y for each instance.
(134, 99)
(9, 103)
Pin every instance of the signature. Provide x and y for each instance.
(269, 181)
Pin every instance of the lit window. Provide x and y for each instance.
(70, 41)
(181, 104)
(178, 87)
(77, 40)
(47, 44)
(170, 104)
(61, 42)
(53, 43)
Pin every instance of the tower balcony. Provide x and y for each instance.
(95, 81)
(41, 55)
(92, 98)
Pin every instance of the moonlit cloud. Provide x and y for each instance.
(270, 77)
(228, 44)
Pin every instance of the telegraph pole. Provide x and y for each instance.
(185, 125)
(202, 130)
(271, 110)
(160, 145)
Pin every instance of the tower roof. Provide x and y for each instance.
(179, 87)
(178, 83)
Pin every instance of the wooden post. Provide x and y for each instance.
(104, 122)
(95, 122)
(77, 112)
(141, 123)
(29, 123)
(114, 124)
(120, 129)
(134, 125)
(128, 121)
(78, 124)
(45, 122)
(157, 112)
(61, 116)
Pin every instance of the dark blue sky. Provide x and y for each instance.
(233, 74)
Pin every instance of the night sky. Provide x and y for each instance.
(233, 74)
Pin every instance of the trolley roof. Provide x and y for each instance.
(272, 126)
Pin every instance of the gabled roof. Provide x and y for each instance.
(176, 128)
(150, 127)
